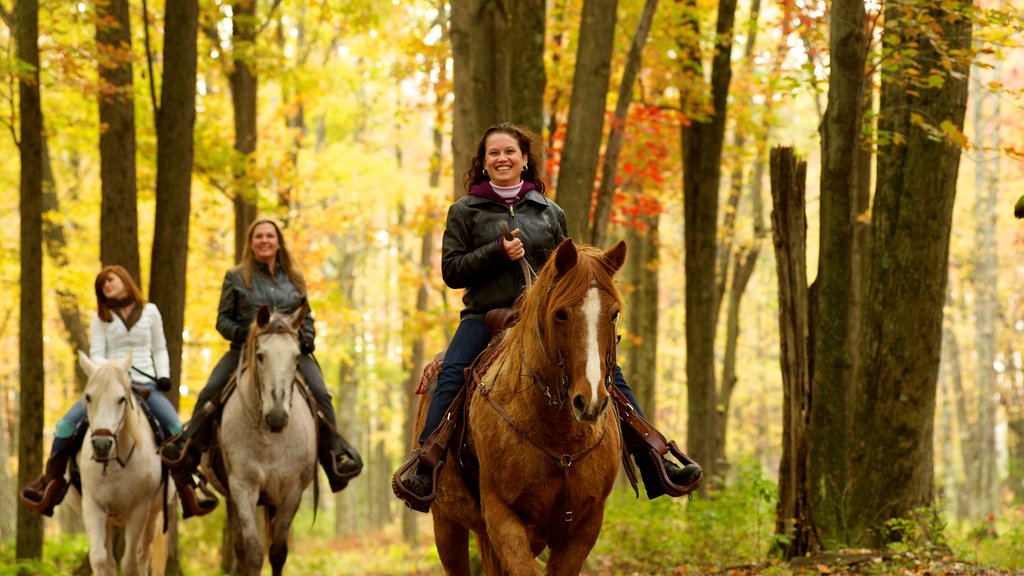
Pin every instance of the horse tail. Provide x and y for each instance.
(160, 546)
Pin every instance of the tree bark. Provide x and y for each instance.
(789, 225)
(609, 172)
(585, 127)
(891, 460)
(29, 541)
(243, 98)
(832, 290)
(119, 222)
(702, 156)
(641, 349)
(498, 72)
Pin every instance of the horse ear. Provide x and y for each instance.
(565, 257)
(88, 366)
(616, 256)
(263, 316)
(299, 315)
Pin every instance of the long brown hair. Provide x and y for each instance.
(528, 143)
(284, 258)
(103, 303)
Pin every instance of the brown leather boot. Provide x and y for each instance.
(42, 494)
(192, 504)
(46, 491)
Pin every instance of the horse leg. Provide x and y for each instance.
(248, 548)
(488, 556)
(452, 540)
(280, 528)
(100, 550)
(137, 536)
(569, 559)
(507, 535)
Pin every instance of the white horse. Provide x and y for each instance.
(267, 439)
(121, 475)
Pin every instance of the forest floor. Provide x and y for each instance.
(868, 562)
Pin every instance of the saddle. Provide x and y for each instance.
(435, 448)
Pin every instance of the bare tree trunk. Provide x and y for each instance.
(29, 542)
(498, 71)
(175, 125)
(789, 225)
(119, 222)
(984, 477)
(586, 115)
(243, 98)
(642, 312)
(606, 191)
(900, 337)
(702, 157)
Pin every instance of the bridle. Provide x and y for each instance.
(107, 433)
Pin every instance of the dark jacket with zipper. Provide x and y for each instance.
(472, 256)
(239, 305)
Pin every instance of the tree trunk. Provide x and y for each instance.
(789, 225)
(606, 191)
(984, 478)
(243, 99)
(498, 72)
(585, 127)
(832, 291)
(175, 125)
(891, 460)
(119, 222)
(702, 157)
(641, 349)
(29, 542)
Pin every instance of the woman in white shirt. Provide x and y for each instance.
(124, 323)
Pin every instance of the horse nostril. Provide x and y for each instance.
(579, 404)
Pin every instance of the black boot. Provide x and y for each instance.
(339, 459)
(682, 476)
(47, 491)
(420, 483)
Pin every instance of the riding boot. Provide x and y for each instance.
(421, 482)
(186, 461)
(687, 477)
(46, 491)
(340, 460)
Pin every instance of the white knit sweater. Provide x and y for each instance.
(146, 341)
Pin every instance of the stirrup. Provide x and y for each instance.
(411, 499)
(655, 476)
(50, 495)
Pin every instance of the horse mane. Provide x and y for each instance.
(551, 292)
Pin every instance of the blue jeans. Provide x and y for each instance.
(158, 404)
(470, 339)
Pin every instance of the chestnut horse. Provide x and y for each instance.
(540, 427)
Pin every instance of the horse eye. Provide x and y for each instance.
(122, 400)
(562, 315)
(88, 398)
(259, 356)
(615, 318)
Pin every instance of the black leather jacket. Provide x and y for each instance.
(239, 305)
(472, 258)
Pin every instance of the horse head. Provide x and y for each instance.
(109, 403)
(575, 306)
(273, 353)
